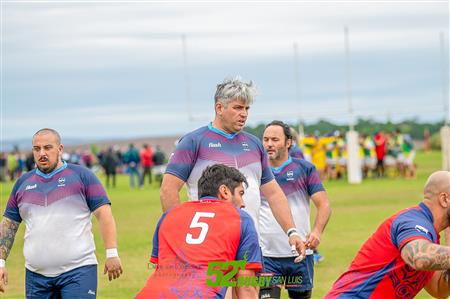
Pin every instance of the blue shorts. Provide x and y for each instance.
(296, 277)
(78, 283)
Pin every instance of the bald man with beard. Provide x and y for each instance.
(403, 256)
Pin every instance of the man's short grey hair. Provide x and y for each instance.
(233, 89)
(49, 131)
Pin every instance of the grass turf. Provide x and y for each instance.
(357, 211)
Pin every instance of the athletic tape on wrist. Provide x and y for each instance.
(111, 252)
(2, 263)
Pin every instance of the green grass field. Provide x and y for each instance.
(357, 211)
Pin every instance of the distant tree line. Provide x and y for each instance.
(367, 126)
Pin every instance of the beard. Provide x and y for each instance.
(48, 168)
(275, 156)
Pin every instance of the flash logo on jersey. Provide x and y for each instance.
(30, 187)
(211, 144)
(421, 229)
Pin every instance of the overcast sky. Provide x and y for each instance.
(104, 69)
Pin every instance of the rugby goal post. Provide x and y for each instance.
(354, 171)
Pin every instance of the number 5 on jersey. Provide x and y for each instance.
(196, 223)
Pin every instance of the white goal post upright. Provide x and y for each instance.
(445, 130)
(354, 171)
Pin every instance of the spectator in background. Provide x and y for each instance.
(86, 157)
(397, 145)
(147, 163)
(158, 157)
(408, 154)
(159, 163)
(426, 140)
(131, 159)
(29, 162)
(75, 157)
(12, 165)
(380, 149)
(118, 151)
(319, 158)
(110, 161)
(20, 165)
(369, 161)
(390, 159)
(294, 150)
(3, 167)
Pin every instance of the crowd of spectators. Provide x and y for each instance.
(382, 154)
(139, 164)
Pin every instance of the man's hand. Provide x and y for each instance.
(113, 267)
(312, 240)
(297, 243)
(3, 279)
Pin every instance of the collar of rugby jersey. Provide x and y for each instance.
(49, 175)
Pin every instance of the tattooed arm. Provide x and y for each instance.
(8, 230)
(424, 255)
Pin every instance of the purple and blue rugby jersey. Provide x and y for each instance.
(207, 146)
(299, 180)
(56, 209)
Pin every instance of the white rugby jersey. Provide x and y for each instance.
(56, 209)
(299, 180)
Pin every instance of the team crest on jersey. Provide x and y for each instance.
(290, 175)
(245, 146)
(61, 182)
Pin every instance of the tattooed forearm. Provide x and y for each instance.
(445, 275)
(8, 230)
(424, 255)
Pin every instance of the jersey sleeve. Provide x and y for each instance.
(94, 191)
(12, 207)
(183, 158)
(249, 249)
(155, 242)
(266, 172)
(407, 228)
(313, 181)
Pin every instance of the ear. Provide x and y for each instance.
(288, 143)
(444, 199)
(224, 193)
(219, 108)
(61, 149)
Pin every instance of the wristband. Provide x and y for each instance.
(291, 231)
(294, 234)
(2, 263)
(111, 252)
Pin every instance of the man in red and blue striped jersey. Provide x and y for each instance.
(403, 255)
